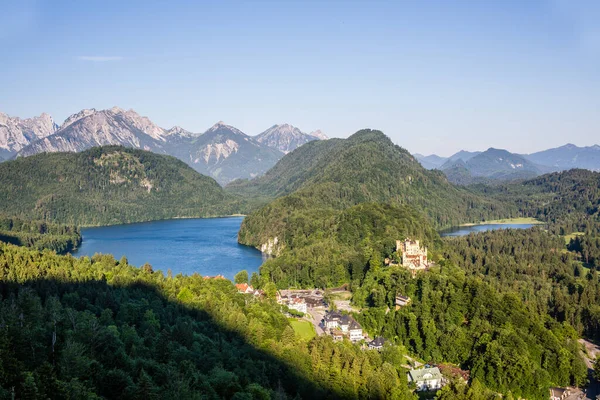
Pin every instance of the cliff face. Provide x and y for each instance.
(17, 133)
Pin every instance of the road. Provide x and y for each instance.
(316, 317)
(593, 350)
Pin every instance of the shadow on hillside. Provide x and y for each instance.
(183, 350)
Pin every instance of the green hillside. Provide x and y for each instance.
(324, 182)
(368, 167)
(327, 248)
(108, 185)
(568, 201)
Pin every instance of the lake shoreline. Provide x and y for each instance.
(506, 221)
(163, 219)
(207, 246)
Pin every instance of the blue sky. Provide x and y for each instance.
(435, 76)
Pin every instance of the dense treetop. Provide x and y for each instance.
(568, 201)
(39, 234)
(99, 328)
(367, 167)
(108, 185)
(326, 248)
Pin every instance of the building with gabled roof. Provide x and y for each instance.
(337, 322)
(426, 378)
(244, 288)
(377, 343)
(402, 301)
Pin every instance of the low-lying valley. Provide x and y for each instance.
(360, 295)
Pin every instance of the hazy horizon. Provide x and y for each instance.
(437, 78)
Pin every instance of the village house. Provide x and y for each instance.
(402, 301)
(298, 304)
(244, 288)
(557, 393)
(377, 343)
(292, 301)
(426, 378)
(312, 298)
(342, 325)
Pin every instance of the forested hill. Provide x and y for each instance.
(569, 201)
(367, 167)
(364, 187)
(108, 185)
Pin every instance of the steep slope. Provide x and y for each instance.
(290, 172)
(16, 133)
(337, 174)
(284, 138)
(568, 156)
(226, 153)
(493, 165)
(107, 185)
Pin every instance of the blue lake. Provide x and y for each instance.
(206, 246)
(465, 230)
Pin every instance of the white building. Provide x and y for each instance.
(297, 304)
(344, 324)
(426, 378)
(355, 330)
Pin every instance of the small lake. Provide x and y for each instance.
(465, 230)
(206, 246)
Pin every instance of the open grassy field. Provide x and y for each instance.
(508, 221)
(303, 329)
(572, 235)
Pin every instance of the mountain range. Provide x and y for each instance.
(222, 152)
(494, 165)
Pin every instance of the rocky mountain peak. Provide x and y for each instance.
(177, 130)
(222, 127)
(284, 137)
(319, 135)
(76, 117)
(16, 133)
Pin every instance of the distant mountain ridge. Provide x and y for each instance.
(286, 137)
(568, 156)
(223, 152)
(492, 164)
(495, 165)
